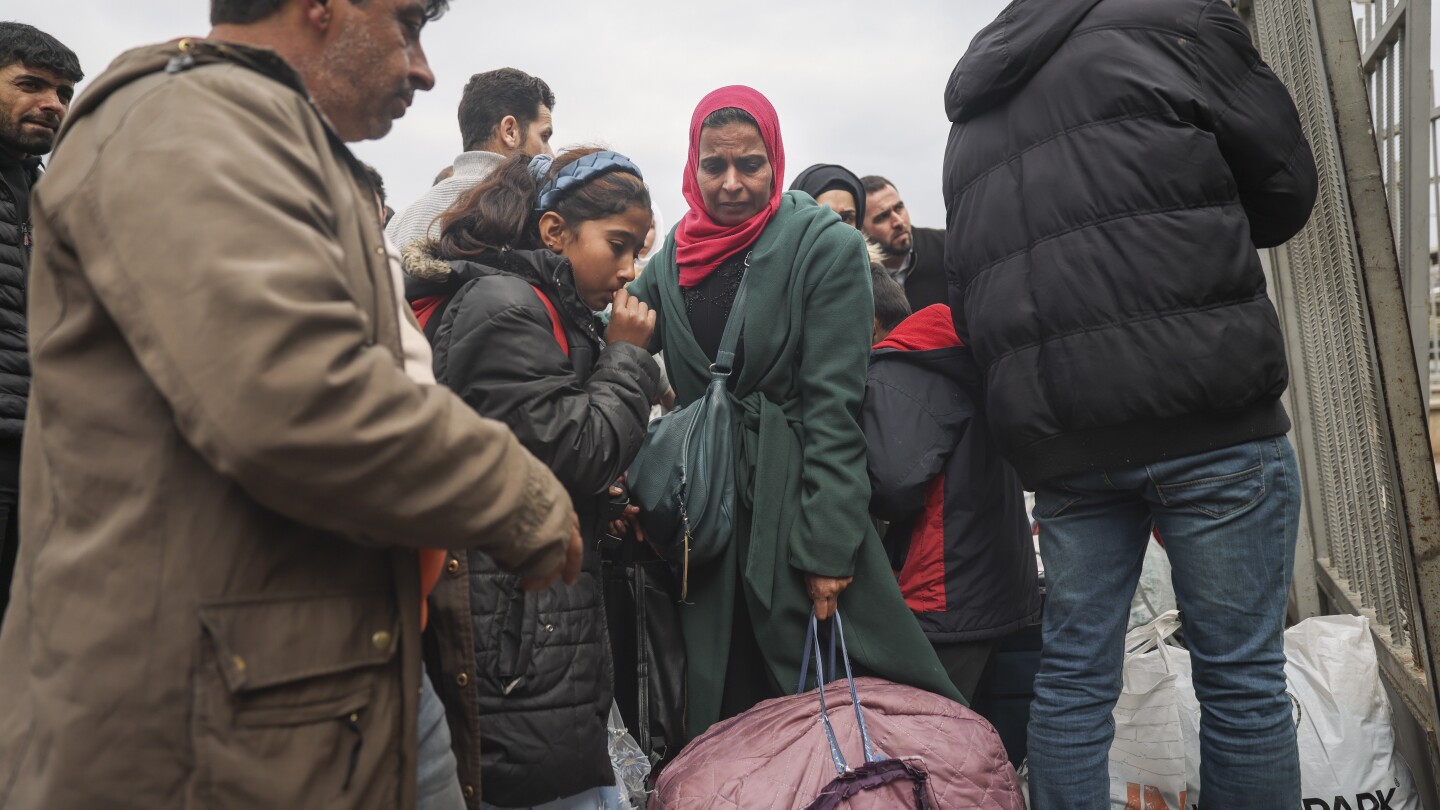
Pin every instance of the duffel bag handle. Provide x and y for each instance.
(805, 655)
(812, 648)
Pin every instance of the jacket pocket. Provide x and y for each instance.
(295, 702)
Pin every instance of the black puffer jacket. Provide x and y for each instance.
(1112, 166)
(14, 345)
(542, 679)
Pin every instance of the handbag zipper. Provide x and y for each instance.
(685, 565)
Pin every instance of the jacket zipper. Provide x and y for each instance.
(25, 231)
(589, 322)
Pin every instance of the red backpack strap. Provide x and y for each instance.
(424, 308)
(555, 324)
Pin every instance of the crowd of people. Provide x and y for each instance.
(323, 504)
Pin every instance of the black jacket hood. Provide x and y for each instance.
(956, 362)
(1008, 51)
(927, 340)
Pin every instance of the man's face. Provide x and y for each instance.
(887, 221)
(372, 66)
(33, 102)
(535, 138)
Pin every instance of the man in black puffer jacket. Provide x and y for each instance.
(1112, 166)
(37, 80)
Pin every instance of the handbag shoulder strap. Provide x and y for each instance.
(730, 339)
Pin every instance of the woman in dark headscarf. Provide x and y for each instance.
(803, 533)
(836, 188)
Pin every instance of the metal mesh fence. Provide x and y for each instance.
(1358, 539)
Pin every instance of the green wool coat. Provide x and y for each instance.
(802, 485)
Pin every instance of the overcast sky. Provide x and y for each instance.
(855, 83)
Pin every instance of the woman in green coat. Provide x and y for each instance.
(804, 535)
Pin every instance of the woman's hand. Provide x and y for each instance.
(630, 524)
(631, 321)
(825, 592)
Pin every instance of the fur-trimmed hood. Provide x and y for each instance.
(421, 261)
(877, 256)
(428, 274)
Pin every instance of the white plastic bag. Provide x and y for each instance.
(1342, 716)
(1155, 757)
(1347, 744)
(1154, 593)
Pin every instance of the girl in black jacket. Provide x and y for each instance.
(509, 296)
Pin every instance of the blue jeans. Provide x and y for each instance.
(437, 775)
(1228, 519)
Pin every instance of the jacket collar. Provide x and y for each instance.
(30, 163)
(476, 165)
(185, 54)
(31, 168)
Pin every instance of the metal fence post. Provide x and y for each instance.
(1384, 278)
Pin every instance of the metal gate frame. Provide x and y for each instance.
(1354, 301)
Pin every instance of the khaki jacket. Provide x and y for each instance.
(226, 469)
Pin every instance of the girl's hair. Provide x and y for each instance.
(500, 212)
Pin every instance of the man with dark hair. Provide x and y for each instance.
(37, 79)
(247, 468)
(503, 113)
(377, 185)
(1112, 167)
(507, 111)
(914, 257)
(890, 305)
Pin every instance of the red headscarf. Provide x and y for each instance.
(701, 243)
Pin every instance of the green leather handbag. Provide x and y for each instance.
(683, 478)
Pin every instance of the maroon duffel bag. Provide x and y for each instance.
(920, 751)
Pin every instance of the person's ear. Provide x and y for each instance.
(510, 132)
(317, 14)
(553, 232)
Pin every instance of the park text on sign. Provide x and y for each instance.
(1363, 801)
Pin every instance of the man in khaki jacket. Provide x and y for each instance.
(227, 473)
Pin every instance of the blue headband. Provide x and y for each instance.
(540, 169)
(575, 174)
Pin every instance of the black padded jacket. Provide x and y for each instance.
(542, 673)
(1111, 168)
(14, 343)
(925, 285)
